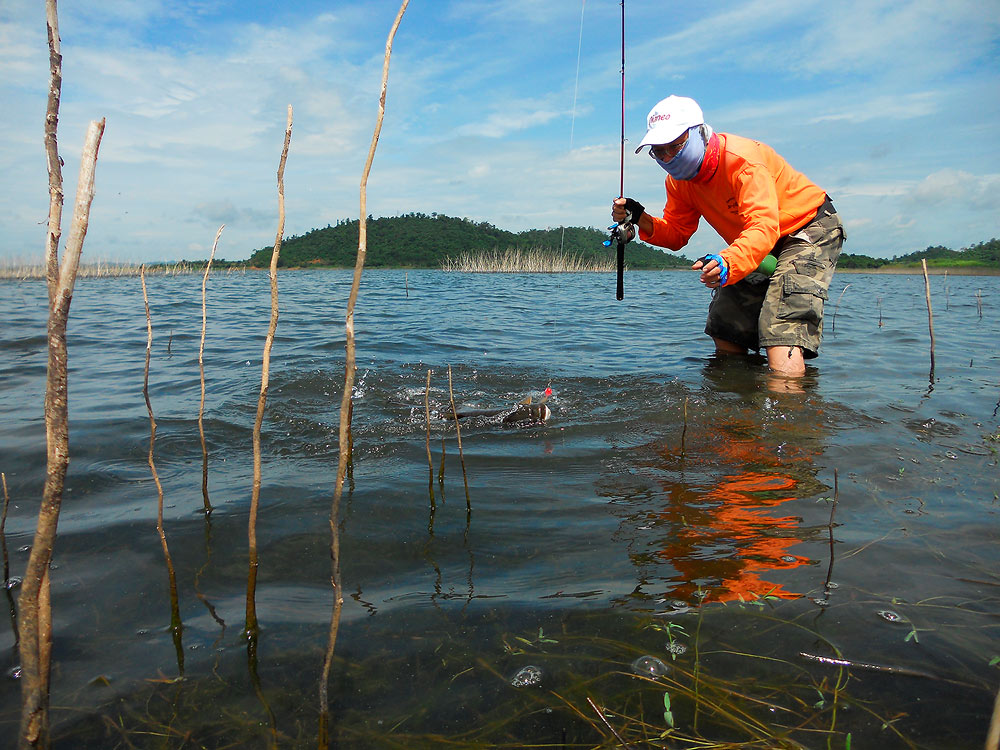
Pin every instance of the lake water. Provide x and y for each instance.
(674, 506)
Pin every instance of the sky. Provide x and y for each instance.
(501, 111)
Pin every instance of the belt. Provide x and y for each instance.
(826, 209)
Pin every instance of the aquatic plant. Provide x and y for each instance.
(516, 260)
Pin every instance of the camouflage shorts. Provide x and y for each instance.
(787, 308)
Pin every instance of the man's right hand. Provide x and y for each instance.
(626, 209)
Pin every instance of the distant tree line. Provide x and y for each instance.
(419, 240)
(982, 255)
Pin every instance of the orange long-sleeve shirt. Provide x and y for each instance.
(753, 199)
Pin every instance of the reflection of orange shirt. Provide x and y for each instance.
(754, 198)
(726, 532)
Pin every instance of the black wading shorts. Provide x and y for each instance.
(787, 308)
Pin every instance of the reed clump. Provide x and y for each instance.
(532, 260)
(18, 271)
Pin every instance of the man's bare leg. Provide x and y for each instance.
(727, 347)
(786, 360)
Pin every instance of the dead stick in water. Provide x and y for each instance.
(979, 301)
(603, 718)
(458, 435)
(430, 460)
(930, 313)
(837, 307)
(176, 627)
(345, 404)
(35, 627)
(3, 538)
(251, 628)
(684, 431)
(6, 561)
(201, 370)
(993, 737)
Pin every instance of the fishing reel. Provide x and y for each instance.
(621, 234)
(625, 231)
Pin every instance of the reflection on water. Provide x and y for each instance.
(744, 454)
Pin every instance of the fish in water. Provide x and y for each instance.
(521, 412)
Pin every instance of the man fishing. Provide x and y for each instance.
(783, 234)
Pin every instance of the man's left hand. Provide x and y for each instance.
(714, 271)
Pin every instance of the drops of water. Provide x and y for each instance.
(527, 676)
(888, 614)
(649, 666)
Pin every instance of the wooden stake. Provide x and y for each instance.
(837, 307)
(3, 538)
(458, 435)
(251, 628)
(6, 561)
(427, 418)
(345, 402)
(35, 628)
(930, 313)
(176, 627)
(201, 370)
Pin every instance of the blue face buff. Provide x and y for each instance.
(687, 162)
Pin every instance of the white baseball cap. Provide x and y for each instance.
(669, 119)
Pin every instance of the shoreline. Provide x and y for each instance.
(127, 271)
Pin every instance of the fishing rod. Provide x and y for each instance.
(620, 232)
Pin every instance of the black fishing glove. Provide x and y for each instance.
(633, 210)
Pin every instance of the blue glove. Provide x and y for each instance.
(723, 266)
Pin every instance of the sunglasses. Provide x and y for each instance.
(667, 151)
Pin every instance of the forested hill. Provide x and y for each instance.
(422, 241)
(981, 255)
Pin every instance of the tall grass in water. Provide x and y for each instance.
(20, 271)
(516, 260)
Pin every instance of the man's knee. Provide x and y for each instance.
(786, 360)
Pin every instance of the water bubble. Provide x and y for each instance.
(25, 548)
(788, 558)
(833, 585)
(14, 672)
(527, 676)
(677, 648)
(889, 615)
(649, 666)
(819, 602)
(142, 632)
(13, 582)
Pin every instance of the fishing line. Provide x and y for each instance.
(576, 89)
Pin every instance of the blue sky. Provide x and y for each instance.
(892, 107)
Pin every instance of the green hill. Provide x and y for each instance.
(981, 255)
(421, 241)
